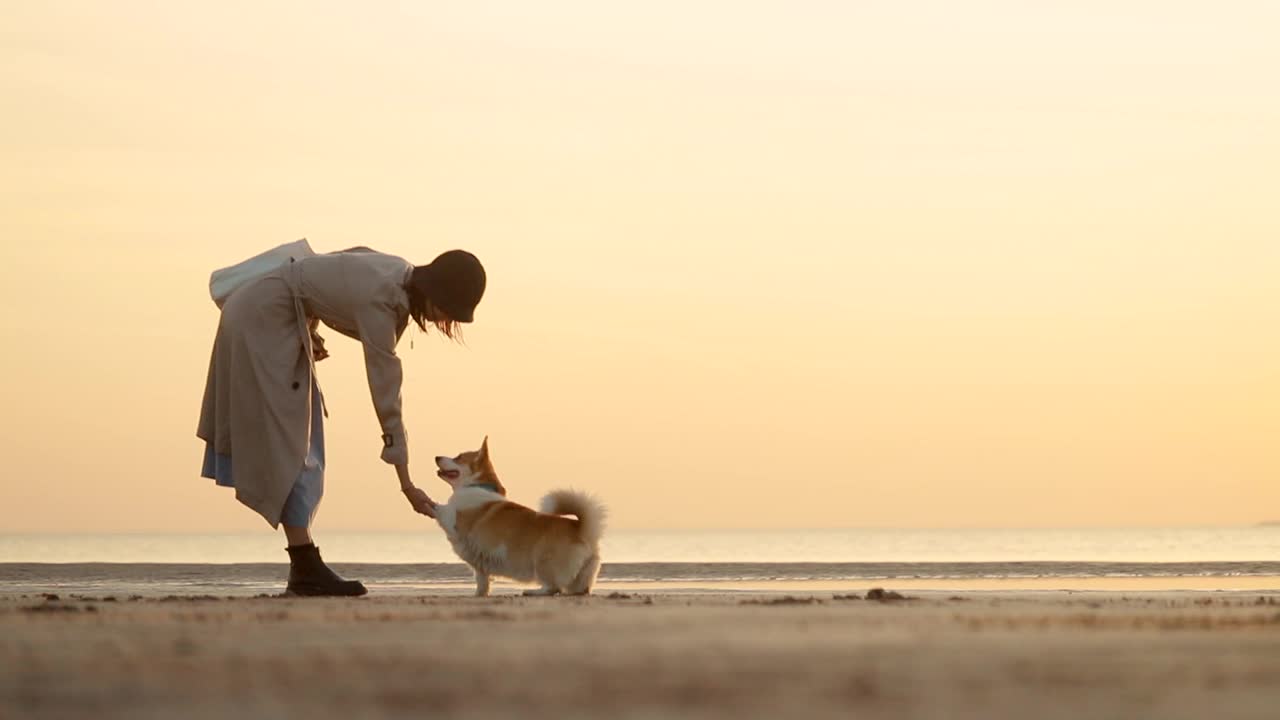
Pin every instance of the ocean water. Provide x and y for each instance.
(1225, 558)
(1141, 545)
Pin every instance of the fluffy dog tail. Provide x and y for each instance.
(588, 510)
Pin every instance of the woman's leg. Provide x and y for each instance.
(308, 575)
(296, 535)
(304, 500)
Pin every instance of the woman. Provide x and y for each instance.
(262, 416)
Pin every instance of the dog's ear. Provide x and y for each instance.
(484, 447)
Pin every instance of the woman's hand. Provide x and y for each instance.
(420, 501)
(317, 346)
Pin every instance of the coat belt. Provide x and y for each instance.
(293, 278)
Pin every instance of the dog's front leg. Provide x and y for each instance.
(482, 584)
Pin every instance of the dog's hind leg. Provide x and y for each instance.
(482, 584)
(545, 566)
(581, 585)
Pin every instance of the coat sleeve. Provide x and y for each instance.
(377, 325)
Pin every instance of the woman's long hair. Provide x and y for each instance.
(420, 307)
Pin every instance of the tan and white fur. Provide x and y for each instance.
(498, 537)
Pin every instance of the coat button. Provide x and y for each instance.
(296, 384)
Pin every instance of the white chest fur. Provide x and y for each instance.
(463, 499)
(483, 559)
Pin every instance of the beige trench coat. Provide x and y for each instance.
(257, 398)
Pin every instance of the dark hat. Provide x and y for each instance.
(454, 282)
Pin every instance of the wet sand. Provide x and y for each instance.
(645, 655)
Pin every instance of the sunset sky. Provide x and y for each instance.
(775, 264)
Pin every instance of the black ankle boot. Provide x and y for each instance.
(308, 575)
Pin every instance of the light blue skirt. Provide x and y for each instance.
(300, 508)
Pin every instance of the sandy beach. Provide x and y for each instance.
(644, 655)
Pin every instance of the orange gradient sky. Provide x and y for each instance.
(801, 264)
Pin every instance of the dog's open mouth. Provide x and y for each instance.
(448, 474)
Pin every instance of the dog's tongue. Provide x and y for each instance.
(448, 474)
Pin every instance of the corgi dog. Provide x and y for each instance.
(498, 537)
